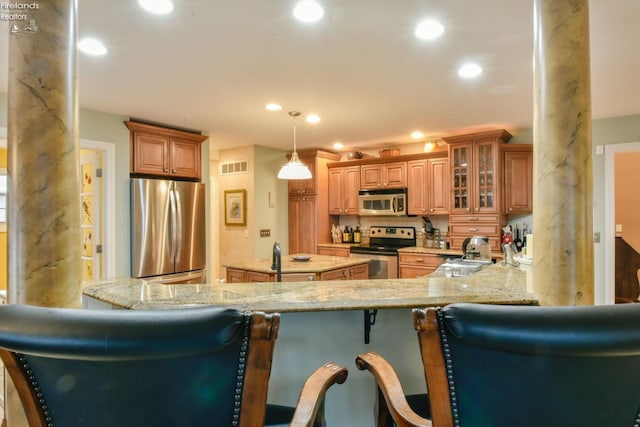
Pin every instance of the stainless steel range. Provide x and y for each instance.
(384, 242)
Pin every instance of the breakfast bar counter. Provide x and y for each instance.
(494, 284)
(326, 321)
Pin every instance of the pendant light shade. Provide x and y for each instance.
(294, 168)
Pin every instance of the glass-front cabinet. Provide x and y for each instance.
(474, 175)
(460, 163)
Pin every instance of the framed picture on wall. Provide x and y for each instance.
(235, 207)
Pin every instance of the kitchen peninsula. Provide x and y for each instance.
(323, 321)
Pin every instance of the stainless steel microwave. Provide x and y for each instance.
(387, 202)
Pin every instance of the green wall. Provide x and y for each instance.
(104, 127)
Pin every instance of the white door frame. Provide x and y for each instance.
(610, 151)
(109, 185)
(108, 150)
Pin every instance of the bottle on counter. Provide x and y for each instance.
(517, 241)
(346, 235)
(357, 235)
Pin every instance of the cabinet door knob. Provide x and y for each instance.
(431, 209)
(174, 170)
(165, 170)
(510, 209)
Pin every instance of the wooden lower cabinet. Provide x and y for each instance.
(298, 277)
(254, 276)
(358, 272)
(303, 214)
(333, 251)
(488, 225)
(418, 264)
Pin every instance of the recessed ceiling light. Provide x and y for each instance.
(416, 134)
(273, 107)
(308, 11)
(313, 118)
(160, 7)
(338, 145)
(429, 30)
(92, 47)
(470, 70)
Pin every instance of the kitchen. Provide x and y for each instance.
(108, 127)
(269, 200)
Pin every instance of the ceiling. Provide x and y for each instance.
(213, 65)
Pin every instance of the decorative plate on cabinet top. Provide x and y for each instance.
(301, 257)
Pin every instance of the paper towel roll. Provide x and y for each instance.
(529, 248)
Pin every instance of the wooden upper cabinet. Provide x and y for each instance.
(317, 161)
(165, 152)
(475, 172)
(344, 184)
(438, 179)
(518, 178)
(417, 187)
(384, 175)
(428, 186)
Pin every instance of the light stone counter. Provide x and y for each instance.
(325, 321)
(493, 284)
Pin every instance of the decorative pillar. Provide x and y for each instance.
(43, 164)
(563, 177)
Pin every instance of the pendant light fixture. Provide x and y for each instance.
(294, 168)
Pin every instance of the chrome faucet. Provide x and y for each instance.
(276, 261)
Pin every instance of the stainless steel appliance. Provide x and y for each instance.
(477, 248)
(382, 249)
(168, 230)
(386, 202)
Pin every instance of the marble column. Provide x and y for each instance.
(563, 177)
(43, 163)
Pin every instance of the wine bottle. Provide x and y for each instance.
(517, 240)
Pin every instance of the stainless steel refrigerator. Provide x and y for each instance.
(168, 230)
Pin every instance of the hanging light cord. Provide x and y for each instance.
(294, 114)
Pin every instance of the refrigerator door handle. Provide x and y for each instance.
(179, 226)
(174, 225)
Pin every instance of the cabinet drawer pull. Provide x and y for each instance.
(473, 229)
(310, 278)
(473, 218)
(419, 259)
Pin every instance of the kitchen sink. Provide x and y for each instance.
(454, 267)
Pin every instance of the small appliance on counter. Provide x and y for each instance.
(476, 248)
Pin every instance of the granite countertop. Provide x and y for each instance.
(443, 252)
(315, 264)
(494, 284)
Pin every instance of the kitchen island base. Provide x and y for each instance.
(307, 340)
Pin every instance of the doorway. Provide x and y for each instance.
(607, 289)
(105, 152)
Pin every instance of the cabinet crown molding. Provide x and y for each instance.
(135, 126)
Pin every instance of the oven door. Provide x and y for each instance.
(381, 266)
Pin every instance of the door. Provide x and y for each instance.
(91, 222)
(190, 207)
